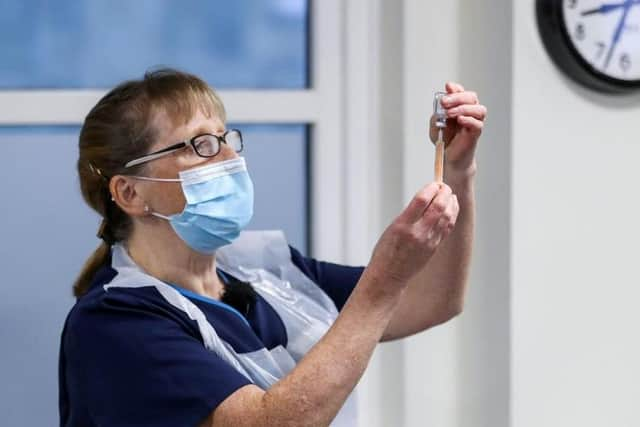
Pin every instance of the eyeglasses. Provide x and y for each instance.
(205, 145)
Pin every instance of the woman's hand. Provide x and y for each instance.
(465, 120)
(409, 242)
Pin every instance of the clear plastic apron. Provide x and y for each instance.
(263, 259)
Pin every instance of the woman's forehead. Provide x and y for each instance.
(170, 131)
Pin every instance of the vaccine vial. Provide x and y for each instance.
(439, 112)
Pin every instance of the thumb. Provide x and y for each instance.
(419, 203)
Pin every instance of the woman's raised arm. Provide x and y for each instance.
(315, 390)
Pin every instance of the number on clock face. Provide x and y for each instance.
(606, 34)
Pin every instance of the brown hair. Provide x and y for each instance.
(118, 129)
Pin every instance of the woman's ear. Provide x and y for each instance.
(125, 195)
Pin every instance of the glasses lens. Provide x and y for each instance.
(207, 145)
(233, 139)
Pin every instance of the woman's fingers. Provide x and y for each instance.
(476, 111)
(437, 208)
(419, 203)
(448, 220)
(459, 98)
(441, 216)
(453, 87)
(456, 208)
(471, 123)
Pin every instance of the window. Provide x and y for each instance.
(246, 44)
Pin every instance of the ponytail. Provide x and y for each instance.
(99, 258)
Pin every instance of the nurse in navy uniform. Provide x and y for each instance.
(184, 319)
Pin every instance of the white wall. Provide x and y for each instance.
(575, 280)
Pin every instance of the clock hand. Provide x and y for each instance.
(616, 36)
(606, 8)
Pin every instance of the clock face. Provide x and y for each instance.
(606, 35)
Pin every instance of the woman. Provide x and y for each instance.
(182, 320)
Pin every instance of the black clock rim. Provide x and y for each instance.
(556, 39)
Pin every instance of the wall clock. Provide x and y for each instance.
(597, 44)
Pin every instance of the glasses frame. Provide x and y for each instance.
(180, 145)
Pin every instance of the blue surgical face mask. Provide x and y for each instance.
(219, 204)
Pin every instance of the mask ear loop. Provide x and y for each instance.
(156, 214)
(149, 178)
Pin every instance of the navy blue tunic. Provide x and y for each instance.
(129, 358)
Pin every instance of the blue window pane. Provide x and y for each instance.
(48, 232)
(98, 43)
(277, 160)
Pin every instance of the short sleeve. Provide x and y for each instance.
(140, 365)
(336, 280)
